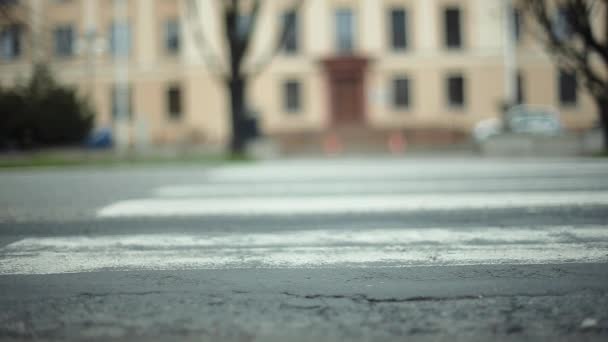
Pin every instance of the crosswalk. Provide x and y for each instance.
(308, 249)
(305, 190)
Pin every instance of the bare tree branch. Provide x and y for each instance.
(575, 50)
(260, 65)
(213, 62)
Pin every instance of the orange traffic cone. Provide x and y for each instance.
(332, 144)
(397, 143)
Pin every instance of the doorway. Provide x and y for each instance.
(347, 90)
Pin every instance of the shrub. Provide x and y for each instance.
(43, 113)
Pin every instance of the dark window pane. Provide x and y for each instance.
(243, 25)
(401, 92)
(520, 96)
(456, 91)
(344, 30)
(64, 41)
(290, 32)
(567, 88)
(399, 29)
(120, 39)
(174, 102)
(172, 36)
(10, 42)
(121, 102)
(291, 96)
(517, 23)
(453, 34)
(561, 24)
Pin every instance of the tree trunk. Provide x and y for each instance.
(237, 88)
(602, 107)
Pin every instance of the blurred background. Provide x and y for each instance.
(271, 78)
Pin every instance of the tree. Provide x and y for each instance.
(43, 113)
(577, 42)
(240, 20)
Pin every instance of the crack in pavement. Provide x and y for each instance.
(109, 294)
(365, 298)
(358, 298)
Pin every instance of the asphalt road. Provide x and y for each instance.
(307, 250)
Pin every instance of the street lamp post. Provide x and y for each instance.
(510, 58)
(120, 41)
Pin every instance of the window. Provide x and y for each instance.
(291, 96)
(121, 102)
(455, 89)
(453, 28)
(567, 88)
(10, 42)
(520, 90)
(517, 23)
(172, 36)
(561, 25)
(174, 102)
(401, 92)
(243, 25)
(64, 41)
(290, 32)
(120, 39)
(399, 24)
(344, 31)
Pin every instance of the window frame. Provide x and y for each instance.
(405, 45)
(114, 90)
(64, 28)
(564, 97)
(114, 49)
(14, 32)
(292, 105)
(520, 88)
(294, 38)
(350, 46)
(460, 36)
(168, 49)
(449, 78)
(406, 81)
(172, 89)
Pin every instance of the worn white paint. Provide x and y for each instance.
(159, 207)
(375, 186)
(307, 249)
(360, 170)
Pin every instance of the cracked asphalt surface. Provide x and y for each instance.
(529, 301)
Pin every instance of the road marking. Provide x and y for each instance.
(412, 168)
(158, 207)
(307, 249)
(396, 186)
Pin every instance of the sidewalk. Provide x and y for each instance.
(75, 156)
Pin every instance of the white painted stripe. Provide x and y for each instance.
(347, 204)
(406, 168)
(440, 185)
(307, 249)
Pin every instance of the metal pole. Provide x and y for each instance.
(121, 75)
(510, 60)
(90, 39)
(510, 54)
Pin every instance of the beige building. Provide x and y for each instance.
(430, 69)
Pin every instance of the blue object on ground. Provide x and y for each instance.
(100, 139)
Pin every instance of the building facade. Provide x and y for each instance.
(429, 69)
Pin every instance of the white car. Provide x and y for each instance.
(538, 120)
(534, 119)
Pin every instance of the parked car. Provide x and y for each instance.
(537, 120)
(100, 139)
(487, 128)
(534, 120)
